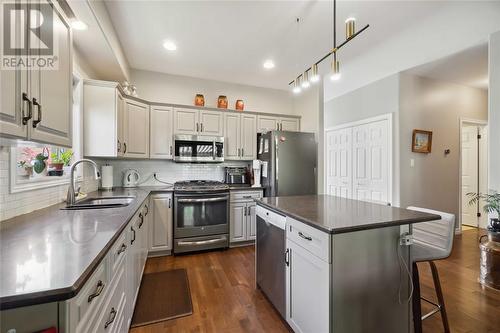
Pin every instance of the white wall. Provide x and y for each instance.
(166, 88)
(456, 26)
(494, 112)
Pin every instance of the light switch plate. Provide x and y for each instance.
(412, 162)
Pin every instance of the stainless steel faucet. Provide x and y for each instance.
(70, 198)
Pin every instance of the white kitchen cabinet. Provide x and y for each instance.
(240, 132)
(161, 132)
(36, 104)
(161, 228)
(237, 217)
(198, 122)
(307, 282)
(103, 119)
(274, 123)
(289, 124)
(211, 123)
(243, 215)
(251, 221)
(136, 129)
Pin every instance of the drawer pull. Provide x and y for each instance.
(133, 239)
(122, 248)
(147, 210)
(98, 291)
(142, 220)
(309, 238)
(247, 197)
(111, 319)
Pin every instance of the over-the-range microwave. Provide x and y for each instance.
(198, 148)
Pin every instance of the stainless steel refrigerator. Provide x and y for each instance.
(289, 163)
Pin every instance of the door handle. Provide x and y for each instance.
(30, 109)
(287, 257)
(39, 107)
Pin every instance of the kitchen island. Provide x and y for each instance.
(343, 267)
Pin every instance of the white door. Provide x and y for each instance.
(251, 221)
(379, 161)
(469, 174)
(307, 291)
(248, 137)
(161, 132)
(136, 129)
(267, 123)
(232, 131)
(339, 162)
(211, 123)
(186, 121)
(237, 222)
(361, 172)
(52, 115)
(161, 228)
(289, 124)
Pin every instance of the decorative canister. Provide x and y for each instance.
(222, 102)
(240, 105)
(199, 100)
(490, 259)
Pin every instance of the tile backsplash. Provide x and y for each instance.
(13, 204)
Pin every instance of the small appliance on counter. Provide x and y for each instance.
(131, 178)
(107, 177)
(257, 168)
(236, 176)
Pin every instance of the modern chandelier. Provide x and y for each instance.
(311, 74)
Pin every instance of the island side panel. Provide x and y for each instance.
(365, 282)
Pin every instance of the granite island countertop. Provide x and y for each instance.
(337, 215)
(49, 254)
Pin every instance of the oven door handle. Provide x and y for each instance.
(203, 200)
(204, 242)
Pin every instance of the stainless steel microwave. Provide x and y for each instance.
(198, 148)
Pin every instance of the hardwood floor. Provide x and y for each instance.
(225, 300)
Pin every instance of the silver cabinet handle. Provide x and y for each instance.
(119, 148)
(98, 290)
(169, 203)
(247, 197)
(239, 152)
(133, 239)
(244, 211)
(201, 127)
(210, 241)
(277, 126)
(39, 107)
(287, 257)
(111, 319)
(305, 237)
(242, 152)
(30, 108)
(147, 209)
(124, 147)
(170, 150)
(203, 200)
(122, 248)
(142, 220)
(197, 127)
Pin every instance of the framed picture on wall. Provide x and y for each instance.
(421, 141)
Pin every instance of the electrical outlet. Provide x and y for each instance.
(406, 240)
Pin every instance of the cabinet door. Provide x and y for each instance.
(161, 135)
(361, 166)
(248, 137)
(267, 123)
(289, 124)
(211, 123)
(13, 83)
(52, 122)
(136, 129)
(232, 136)
(250, 221)
(160, 236)
(186, 121)
(307, 282)
(237, 222)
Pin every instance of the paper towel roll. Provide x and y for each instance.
(107, 177)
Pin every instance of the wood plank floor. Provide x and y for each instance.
(225, 300)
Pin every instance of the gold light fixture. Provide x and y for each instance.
(305, 80)
(350, 33)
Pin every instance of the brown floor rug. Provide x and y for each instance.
(162, 296)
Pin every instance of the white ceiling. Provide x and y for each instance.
(229, 40)
(469, 67)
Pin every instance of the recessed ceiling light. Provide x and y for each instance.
(268, 64)
(79, 25)
(169, 45)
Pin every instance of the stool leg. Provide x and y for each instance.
(416, 306)
(439, 294)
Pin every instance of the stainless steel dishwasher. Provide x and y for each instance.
(270, 257)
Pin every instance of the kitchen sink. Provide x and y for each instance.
(101, 202)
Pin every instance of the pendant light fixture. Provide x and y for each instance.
(311, 74)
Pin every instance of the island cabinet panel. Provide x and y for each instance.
(307, 291)
(40, 317)
(311, 239)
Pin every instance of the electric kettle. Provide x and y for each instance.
(131, 178)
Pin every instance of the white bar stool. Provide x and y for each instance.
(431, 241)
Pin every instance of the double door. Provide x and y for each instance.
(271, 123)
(240, 133)
(243, 218)
(198, 122)
(35, 103)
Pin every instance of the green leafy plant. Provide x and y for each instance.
(492, 201)
(55, 158)
(66, 156)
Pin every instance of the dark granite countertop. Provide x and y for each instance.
(49, 254)
(337, 215)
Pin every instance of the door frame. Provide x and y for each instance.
(386, 116)
(479, 123)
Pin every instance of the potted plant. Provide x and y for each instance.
(66, 157)
(56, 161)
(39, 164)
(492, 205)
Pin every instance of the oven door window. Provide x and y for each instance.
(201, 211)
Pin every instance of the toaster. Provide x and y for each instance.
(236, 175)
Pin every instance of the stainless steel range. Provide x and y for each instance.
(201, 215)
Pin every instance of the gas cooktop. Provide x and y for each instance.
(200, 185)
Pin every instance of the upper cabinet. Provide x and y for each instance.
(272, 123)
(36, 103)
(136, 129)
(161, 132)
(240, 136)
(198, 122)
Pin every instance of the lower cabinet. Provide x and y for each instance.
(242, 216)
(161, 231)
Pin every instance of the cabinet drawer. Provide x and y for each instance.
(311, 239)
(117, 254)
(112, 311)
(89, 299)
(245, 195)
